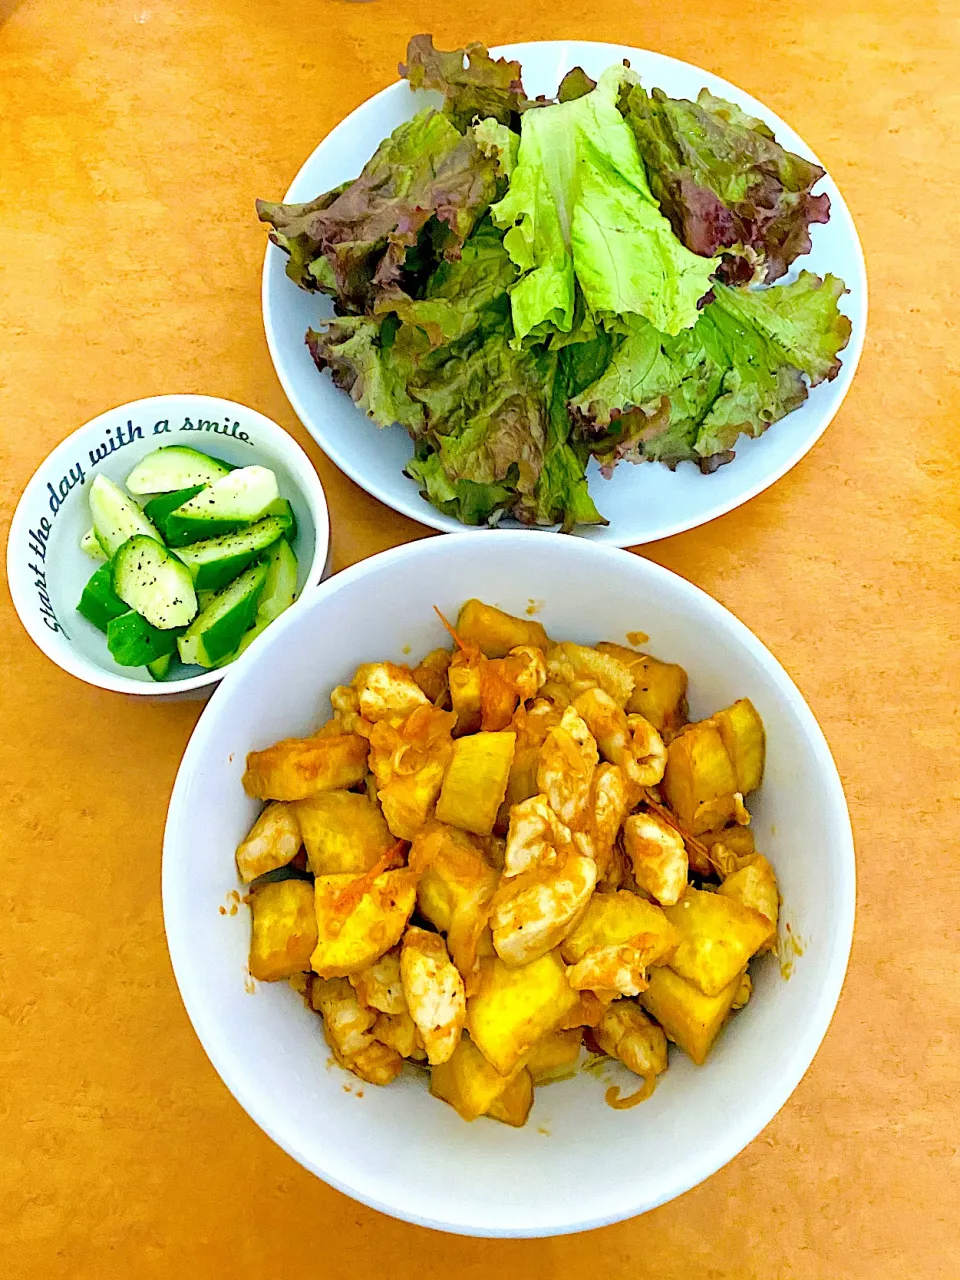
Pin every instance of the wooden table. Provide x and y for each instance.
(135, 137)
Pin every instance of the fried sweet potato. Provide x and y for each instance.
(284, 930)
(468, 1081)
(700, 782)
(342, 832)
(690, 1018)
(555, 1057)
(494, 632)
(353, 932)
(612, 919)
(299, 767)
(718, 935)
(513, 1105)
(660, 688)
(476, 781)
(513, 1008)
(743, 735)
(455, 889)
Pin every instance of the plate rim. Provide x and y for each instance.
(416, 508)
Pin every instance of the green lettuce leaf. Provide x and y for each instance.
(725, 183)
(360, 353)
(416, 201)
(740, 368)
(579, 209)
(473, 84)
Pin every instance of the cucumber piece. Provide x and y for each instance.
(159, 508)
(159, 668)
(116, 517)
(239, 498)
(283, 510)
(217, 561)
(279, 593)
(175, 467)
(91, 547)
(154, 582)
(99, 602)
(217, 631)
(135, 643)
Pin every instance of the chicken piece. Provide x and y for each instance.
(700, 782)
(658, 856)
(527, 670)
(431, 675)
(689, 1018)
(568, 759)
(515, 1102)
(617, 969)
(626, 1033)
(514, 1008)
(299, 767)
(386, 691)
(718, 935)
(273, 841)
(754, 885)
(409, 762)
(476, 781)
(379, 986)
(495, 633)
(346, 707)
(628, 741)
(284, 930)
(580, 668)
(533, 912)
(505, 682)
(744, 992)
(348, 1028)
(342, 832)
(609, 805)
(535, 838)
(360, 919)
(555, 1057)
(399, 1031)
(660, 689)
(455, 889)
(434, 993)
(615, 919)
(468, 1082)
(742, 732)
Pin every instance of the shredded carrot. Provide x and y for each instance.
(461, 644)
(348, 897)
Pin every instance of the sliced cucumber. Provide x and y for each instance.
(135, 643)
(159, 668)
(236, 499)
(217, 561)
(154, 582)
(159, 508)
(175, 467)
(282, 509)
(115, 517)
(216, 632)
(279, 593)
(91, 547)
(99, 602)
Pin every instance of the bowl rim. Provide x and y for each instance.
(65, 656)
(749, 1124)
(408, 501)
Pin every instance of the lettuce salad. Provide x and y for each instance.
(526, 284)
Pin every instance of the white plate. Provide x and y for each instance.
(576, 1164)
(643, 502)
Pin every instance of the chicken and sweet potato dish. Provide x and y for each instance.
(516, 848)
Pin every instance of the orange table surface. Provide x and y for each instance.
(135, 135)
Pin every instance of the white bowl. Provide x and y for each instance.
(577, 1164)
(46, 570)
(643, 502)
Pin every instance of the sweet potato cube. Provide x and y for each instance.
(513, 1008)
(494, 632)
(743, 735)
(513, 1105)
(555, 1057)
(455, 889)
(354, 930)
(299, 767)
(284, 929)
(476, 781)
(690, 1019)
(614, 918)
(468, 1081)
(342, 831)
(699, 773)
(718, 935)
(274, 840)
(755, 885)
(466, 700)
(660, 691)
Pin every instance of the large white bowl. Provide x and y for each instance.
(577, 1163)
(46, 570)
(643, 502)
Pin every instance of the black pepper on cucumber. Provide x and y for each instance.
(196, 573)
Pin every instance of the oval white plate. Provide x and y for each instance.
(643, 502)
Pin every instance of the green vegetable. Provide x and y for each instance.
(236, 499)
(152, 580)
(473, 84)
(91, 547)
(174, 467)
(159, 668)
(133, 642)
(99, 602)
(160, 508)
(115, 516)
(217, 631)
(217, 561)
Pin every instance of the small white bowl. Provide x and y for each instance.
(577, 1164)
(46, 570)
(642, 502)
